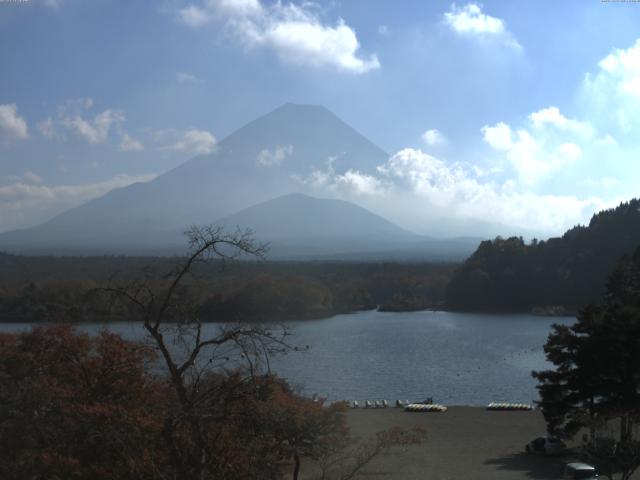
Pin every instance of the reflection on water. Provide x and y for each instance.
(456, 358)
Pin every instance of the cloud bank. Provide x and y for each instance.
(295, 32)
(29, 201)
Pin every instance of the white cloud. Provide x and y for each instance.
(194, 16)
(623, 66)
(469, 20)
(194, 141)
(551, 116)
(549, 142)
(531, 157)
(423, 174)
(611, 95)
(460, 192)
(28, 202)
(498, 136)
(571, 151)
(22, 191)
(351, 181)
(183, 77)
(295, 32)
(94, 130)
(130, 144)
(275, 157)
(526, 162)
(12, 125)
(360, 183)
(433, 137)
(53, 3)
(597, 142)
(413, 184)
(238, 7)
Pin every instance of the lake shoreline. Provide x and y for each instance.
(379, 308)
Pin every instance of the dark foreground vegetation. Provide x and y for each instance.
(80, 407)
(594, 388)
(36, 289)
(202, 407)
(556, 276)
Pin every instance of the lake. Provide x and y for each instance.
(456, 358)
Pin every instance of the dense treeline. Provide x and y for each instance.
(34, 289)
(552, 276)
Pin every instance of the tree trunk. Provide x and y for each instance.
(296, 467)
(624, 428)
(592, 424)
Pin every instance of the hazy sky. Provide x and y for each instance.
(520, 112)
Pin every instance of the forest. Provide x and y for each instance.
(40, 289)
(556, 276)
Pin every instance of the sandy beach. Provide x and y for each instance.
(462, 443)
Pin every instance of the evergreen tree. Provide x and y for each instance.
(596, 379)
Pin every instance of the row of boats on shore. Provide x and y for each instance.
(429, 406)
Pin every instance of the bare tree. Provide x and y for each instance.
(192, 351)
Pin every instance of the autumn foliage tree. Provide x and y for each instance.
(76, 406)
(304, 427)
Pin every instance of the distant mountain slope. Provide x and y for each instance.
(306, 228)
(509, 275)
(259, 161)
(298, 216)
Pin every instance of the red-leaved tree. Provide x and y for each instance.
(77, 406)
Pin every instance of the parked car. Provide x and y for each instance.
(579, 471)
(546, 446)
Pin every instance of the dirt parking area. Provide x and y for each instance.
(462, 443)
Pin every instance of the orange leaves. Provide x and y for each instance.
(75, 406)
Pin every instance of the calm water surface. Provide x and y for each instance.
(456, 358)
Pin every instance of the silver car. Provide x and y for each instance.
(546, 446)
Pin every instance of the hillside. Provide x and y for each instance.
(567, 272)
(298, 224)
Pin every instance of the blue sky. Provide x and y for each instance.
(523, 112)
